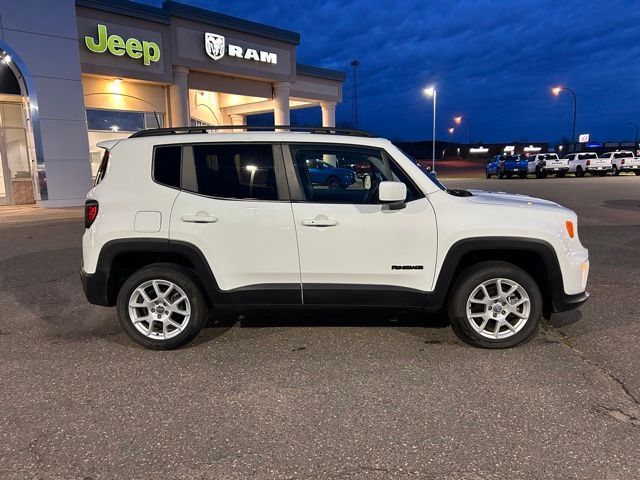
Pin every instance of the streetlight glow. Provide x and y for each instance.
(556, 90)
(430, 91)
(433, 93)
(451, 130)
(458, 119)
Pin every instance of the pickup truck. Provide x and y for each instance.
(623, 161)
(588, 162)
(542, 164)
(507, 165)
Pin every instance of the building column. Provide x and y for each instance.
(238, 120)
(328, 114)
(179, 98)
(281, 112)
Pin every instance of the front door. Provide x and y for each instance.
(234, 206)
(353, 250)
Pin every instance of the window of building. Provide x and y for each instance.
(231, 171)
(336, 174)
(123, 121)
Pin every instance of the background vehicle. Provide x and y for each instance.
(542, 164)
(323, 173)
(588, 162)
(507, 165)
(622, 161)
(178, 226)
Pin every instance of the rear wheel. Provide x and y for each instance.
(614, 171)
(579, 171)
(161, 307)
(539, 173)
(495, 305)
(522, 175)
(488, 174)
(500, 173)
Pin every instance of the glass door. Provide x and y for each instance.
(4, 188)
(14, 150)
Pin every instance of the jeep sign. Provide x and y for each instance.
(132, 47)
(216, 47)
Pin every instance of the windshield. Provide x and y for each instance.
(587, 156)
(432, 176)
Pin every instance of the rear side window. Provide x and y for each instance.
(167, 165)
(231, 171)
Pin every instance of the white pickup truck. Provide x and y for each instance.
(623, 161)
(588, 162)
(542, 164)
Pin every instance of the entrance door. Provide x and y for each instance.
(15, 165)
(353, 250)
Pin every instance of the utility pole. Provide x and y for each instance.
(354, 95)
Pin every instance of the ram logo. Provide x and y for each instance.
(214, 45)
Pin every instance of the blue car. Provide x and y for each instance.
(507, 165)
(323, 173)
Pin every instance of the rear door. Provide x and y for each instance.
(354, 250)
(234, 206)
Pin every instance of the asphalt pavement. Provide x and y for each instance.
(321, 395)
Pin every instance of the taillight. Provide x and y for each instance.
(622, 162)
(588, 162)
(90, 212)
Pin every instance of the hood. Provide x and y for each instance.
(511, 199)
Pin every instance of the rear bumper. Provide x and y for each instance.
(555, 169)
(629, 168)
(598, 169)
(564, 302)
(95, 288)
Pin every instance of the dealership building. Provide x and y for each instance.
(75, 73)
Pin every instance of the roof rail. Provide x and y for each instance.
(248, 128)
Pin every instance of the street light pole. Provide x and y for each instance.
(556, 91)
(459, 120)
(431, 92)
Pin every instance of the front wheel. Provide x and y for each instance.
(161, 307)
(333, 183)
(495, 305)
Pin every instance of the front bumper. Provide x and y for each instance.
(564, 302)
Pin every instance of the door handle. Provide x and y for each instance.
(200, 217)
(319, 221)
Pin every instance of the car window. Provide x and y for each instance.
(587, 156)
(622, 154)
(167, 165)
(351, 174)
(231, 171)
(604, 155)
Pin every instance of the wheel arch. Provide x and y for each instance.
(536, 257)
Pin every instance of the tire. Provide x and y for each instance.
(602, 174)
(539, 173)
(561, 174)
(522, 175)
(614, 171)
(501, 174)
(637, 172)
(468, 283)
(487, 174)
(509, 175)
(153, 279)
(333, 183)
(579, 171)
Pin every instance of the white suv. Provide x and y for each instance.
(183, 222)
(542, 164)
(588, 162)
(622, 161)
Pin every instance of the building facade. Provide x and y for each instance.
(77, 72)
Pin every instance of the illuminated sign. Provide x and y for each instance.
(216, 47)
(583, 138)
(531, 148)
(509, 149)
(479, 150)
(118, 46)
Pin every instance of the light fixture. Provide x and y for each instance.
(451, 130)
(556, 90)
(429, 91)
(479, 150)
(531, 148)
(251, 168)
(458, 119)
(114, 128)
(117, 80)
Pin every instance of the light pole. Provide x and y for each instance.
(635, 125)
(431, 92)
(458, 121)
(556, 91)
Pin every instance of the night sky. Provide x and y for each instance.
(494, 61)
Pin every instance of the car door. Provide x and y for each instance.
(234, 207)
(354, 250)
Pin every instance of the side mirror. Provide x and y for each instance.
(393, 194)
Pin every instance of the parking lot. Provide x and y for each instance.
(321, 395)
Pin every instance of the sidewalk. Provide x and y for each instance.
(34, 213)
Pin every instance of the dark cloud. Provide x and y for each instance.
(494, 61)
